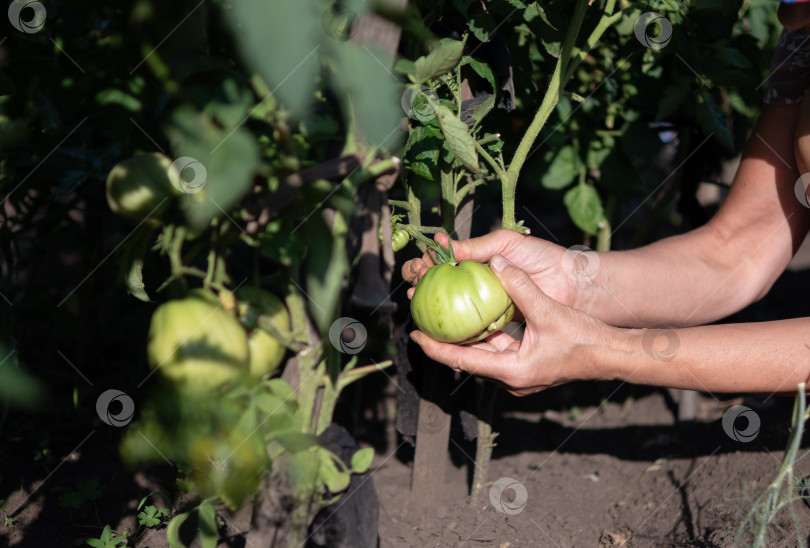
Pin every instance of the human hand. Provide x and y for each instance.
(541, 260)
(559, 344)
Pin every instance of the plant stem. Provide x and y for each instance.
(448, 201)
(401, 204)
(485, 155)
(607, 20)
(546, 107)
(484, 443)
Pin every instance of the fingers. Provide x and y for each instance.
(497, 342)
(476, 361)
(413, 270)
(528, 298)
(482, 249)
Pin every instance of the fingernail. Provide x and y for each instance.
(498, 263)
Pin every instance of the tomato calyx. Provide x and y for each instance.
(440, 254)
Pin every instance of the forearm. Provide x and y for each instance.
(666, 284)
(768, 357)
(711, 272)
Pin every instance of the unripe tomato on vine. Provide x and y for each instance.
(459, 302)
(196, 344)
(266, 351)
(139, 188)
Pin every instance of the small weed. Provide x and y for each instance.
(785, 490)
(108, 539)
(151, 516)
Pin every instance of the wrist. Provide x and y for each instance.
(612, 358)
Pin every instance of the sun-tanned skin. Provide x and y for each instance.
(579, 328)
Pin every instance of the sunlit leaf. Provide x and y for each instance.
(458, 139)
(585, 207)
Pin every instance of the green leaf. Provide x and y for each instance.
(173, 530)
(295, 442)
(131, 264)
(458, 139)
(148, 517)
(483, 26)
(208, 525)
(536, 8)
(712, 121)
(483, 109)
(220, 168)
(484, 71)
(112, 96)
(270, 404)
(585, 207)
(361, 460)
(438, 62)
(335, 480)
(326, 268)
(422, 152)
(375, 95)
(16, 386)
(281, 41)
(563, 169)
(282, 389)
(404, 66)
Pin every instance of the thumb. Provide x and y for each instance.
(528, 298)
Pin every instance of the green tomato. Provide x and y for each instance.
(266, 352)
(400, 239)
(139, 189)
(460, 303)
(197, 344)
